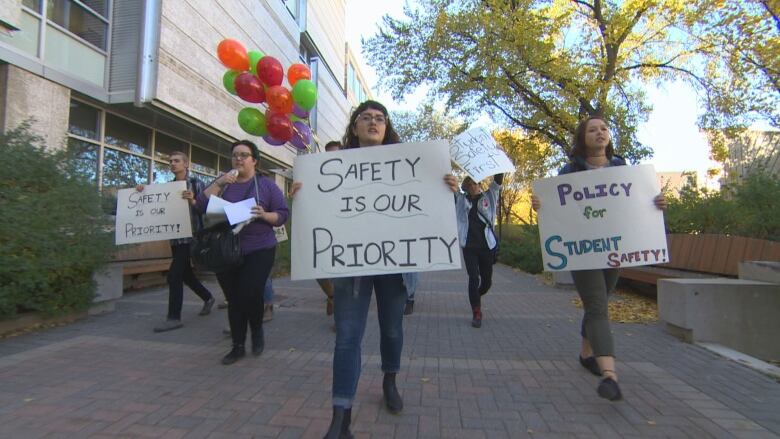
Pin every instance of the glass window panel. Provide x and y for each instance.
(162, 172)
(83, 159)
(84, 120)
(225, 164)
(35, 5)
(79, 21)
(26, 39)
(99, 6)
(124, 170)
(206, 179)
(71, 55)
(292, 6)
(203, 161)
(165, 145)
(128, 135)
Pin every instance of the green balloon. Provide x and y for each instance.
(305, 94)
(229, 81)
(254, 57)
(252, 121)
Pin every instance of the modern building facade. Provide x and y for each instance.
(752, 151)
(124, 83)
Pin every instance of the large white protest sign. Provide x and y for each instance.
(377, 210)
(477, 153)
(604, 218)
(158, 213)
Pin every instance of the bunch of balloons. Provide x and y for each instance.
(257, 78)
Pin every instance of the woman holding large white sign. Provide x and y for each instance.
(592, 149)
(243, 285)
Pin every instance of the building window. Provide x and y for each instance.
(115, 152)
(297, 8)
(81, 19)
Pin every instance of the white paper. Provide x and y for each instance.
(344, 222)
(604, 218)
(215, 210)
(239, 211)
(157, 213)
(477, 153)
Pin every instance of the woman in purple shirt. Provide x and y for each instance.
(243, 286)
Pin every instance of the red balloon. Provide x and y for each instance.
(279, 126)
(270, 71)
(296, 72)
(279, 99)
(233, 55)
(249, 88)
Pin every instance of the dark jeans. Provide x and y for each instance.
(594, 288)
(243, 288)
(479, 266)
(179, 274)
(352, 297)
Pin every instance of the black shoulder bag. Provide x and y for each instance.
(495, 250)
(217, 248)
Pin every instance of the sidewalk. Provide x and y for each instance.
(516, 377)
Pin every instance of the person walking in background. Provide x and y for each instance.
(476, 214)
(592, 149)
(244, 285)
(325, 284)
(268, 300)
(410, 287)
(180, 272)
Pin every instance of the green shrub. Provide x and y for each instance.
(520, 247)
(748, 208)
(54, 233)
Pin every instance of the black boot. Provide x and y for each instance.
(234, 355)
(393, 399)
(339, 425)
(258, 340)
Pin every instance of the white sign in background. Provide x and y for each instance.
(156, 214)
(376, 210)
(477, 153)
(603, 218)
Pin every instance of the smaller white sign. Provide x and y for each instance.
(477, 153)
(215, 210)
(157, 213)
(239, 211)
(281, 233)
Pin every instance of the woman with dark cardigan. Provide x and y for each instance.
(592, 149)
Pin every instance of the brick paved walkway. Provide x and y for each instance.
(517, 377)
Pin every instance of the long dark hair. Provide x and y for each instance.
(350, 139)
(578, 147)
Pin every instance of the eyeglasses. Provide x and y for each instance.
(241, 155)
(367, 118)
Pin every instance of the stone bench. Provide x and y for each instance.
(742, 314)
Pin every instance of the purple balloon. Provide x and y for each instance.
(300, 112)
(301, 135)
(274, 142)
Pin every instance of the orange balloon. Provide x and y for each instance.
(233, 55)
(296, 72)
(279, 99)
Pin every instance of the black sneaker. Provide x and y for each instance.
(234, 355)
(609, 389)
(409, 309)
(207, 305)
(168, 325)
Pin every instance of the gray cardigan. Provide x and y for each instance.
(486, 206)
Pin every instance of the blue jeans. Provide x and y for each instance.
(410, 284)
(268, 292)
(352, 297)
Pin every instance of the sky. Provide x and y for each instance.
(670, 130)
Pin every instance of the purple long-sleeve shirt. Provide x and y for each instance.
(257, 234)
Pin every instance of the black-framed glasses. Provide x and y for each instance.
(241, 155)
(380, 119)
